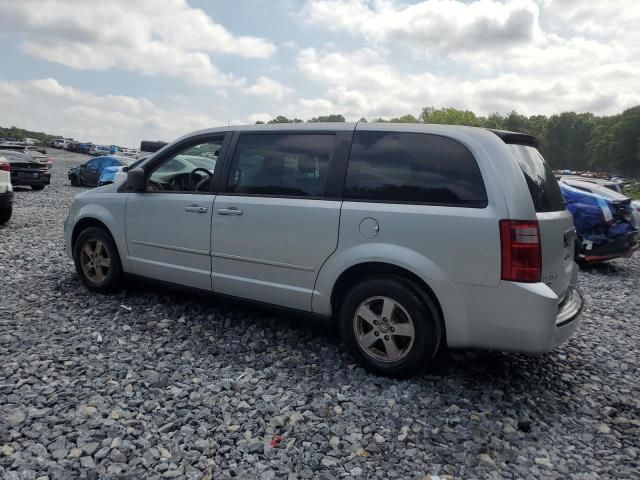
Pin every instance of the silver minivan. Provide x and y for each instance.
(412, 237)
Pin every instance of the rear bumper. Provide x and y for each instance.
(568, 316)
(44, 179)
(621, 246)
(512, 317)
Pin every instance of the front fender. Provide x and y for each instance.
(109, 209)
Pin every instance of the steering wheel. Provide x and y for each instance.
(202, 181)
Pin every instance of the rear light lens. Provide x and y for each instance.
(521, 251)
(4, 166)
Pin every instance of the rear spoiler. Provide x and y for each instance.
(517, 138)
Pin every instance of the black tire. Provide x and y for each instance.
(5, 214)
(113, 277)
(423, 313)
(74, 181)
(37, 187)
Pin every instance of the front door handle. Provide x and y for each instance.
(196, 209)
(230, 211)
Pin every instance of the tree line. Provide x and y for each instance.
(569, 140)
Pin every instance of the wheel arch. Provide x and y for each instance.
(90, 220)
(85, 223)
(355, 273)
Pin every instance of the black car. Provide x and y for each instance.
(88, 174)
(25, 170)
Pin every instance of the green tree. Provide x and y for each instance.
(327, 118)
(448, 116)
(625, 146)
(567, 136)
(283, 119)
(408, 118)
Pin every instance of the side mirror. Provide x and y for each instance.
(135, 180)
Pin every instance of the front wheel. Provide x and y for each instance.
(97, 260)
(74, 181)
(390, 326)
(37, 187)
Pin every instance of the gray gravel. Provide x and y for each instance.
(155, 383)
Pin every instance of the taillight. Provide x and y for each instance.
(521, 251)
(6, 167)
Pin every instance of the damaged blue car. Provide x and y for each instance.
(605, 227)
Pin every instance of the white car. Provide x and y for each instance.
(6, 191)
(410, 236)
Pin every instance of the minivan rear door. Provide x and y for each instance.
(276, 220)
(557, 233)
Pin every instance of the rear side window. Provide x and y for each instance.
(413, 168)
(543, 186)
(281, 164)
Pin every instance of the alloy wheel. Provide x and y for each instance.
(383, 329)
(95, 261)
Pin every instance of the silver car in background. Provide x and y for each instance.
(412, 237)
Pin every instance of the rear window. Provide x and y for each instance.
(543, 186)
(413, 168)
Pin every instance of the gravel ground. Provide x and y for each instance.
(155, 383)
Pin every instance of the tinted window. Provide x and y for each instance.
(415, 168)
(281, 164)
(543, 186)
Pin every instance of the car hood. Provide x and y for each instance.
(112, 169)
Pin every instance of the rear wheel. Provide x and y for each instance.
(97, 260)
(5, 213)
(390, 326)
(37, 187)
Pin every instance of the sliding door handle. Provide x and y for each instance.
(196, 209)
(230, 211)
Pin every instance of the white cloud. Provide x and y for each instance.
(258, 117)
(362, 83)
(46, 105)
(541, 56)
(432, 24)
(267, 87)
(146, 36)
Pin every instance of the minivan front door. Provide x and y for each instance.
(168, 226)
(276, 224)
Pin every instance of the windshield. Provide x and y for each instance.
(543, 186)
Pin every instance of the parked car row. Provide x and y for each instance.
(93, 149)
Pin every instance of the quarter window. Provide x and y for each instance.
(413, 168)
(281, 164)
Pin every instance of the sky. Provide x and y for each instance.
(120, 71)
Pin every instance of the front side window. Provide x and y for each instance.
(281, 164)
(190, 170)
(413, 168)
